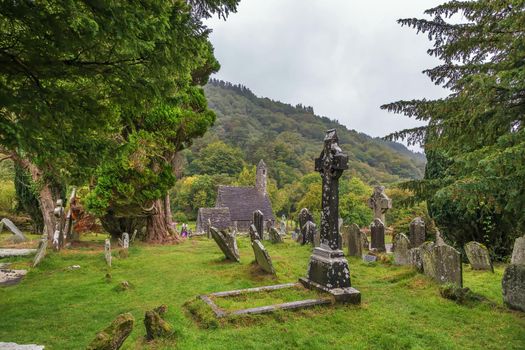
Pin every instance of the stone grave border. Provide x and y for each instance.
(298, 304)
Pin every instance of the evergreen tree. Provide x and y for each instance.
(475, 137)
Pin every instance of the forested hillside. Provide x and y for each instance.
(288, 138)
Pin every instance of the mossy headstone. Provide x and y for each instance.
(478, 256)
(156, 326)
(112, 337)
(401, 246)
(513, 285)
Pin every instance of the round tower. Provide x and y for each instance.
(260, 180)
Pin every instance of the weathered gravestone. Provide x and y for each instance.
(478, 256)
(443, 264)
(134, 235)
(107, 251)
(227, 243)
(518, 252)
(68, 228)
(275, 236)
(282, 227)
(8, 252)
(513, 285)
(155, 324)
(355, 241)
(417, 232)
(296, 234)
(58, 235)
(439, 238)
(258, 221)
(304, 217)
(401, 247)
(18, 235)
(125, 240)
(328, 269)
(414, 259)
(41, 251)
(262, 257)
(377, 230)
(379, 203)
(311, 234)
(427, 258)
(369, 258)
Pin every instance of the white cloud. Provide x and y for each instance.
(343, 57)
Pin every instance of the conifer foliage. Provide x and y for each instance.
(475, 137)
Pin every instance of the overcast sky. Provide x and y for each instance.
(342, 57)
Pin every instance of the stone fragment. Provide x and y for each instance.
(354, 241)
(417, 232)
(112, 337)
(518, 252)
(304, 217)
(18, 235)
(369, 258)
(11, 277)
(379, 203)
(275, 236)
(227, 243)
(156, 326)
(513, 285)
(478, 256)
(262, 257)
(401, 247)
(258, 222)
(15, 346)
(377, 230)
(9, 252)
(107, 251)
(41, 251)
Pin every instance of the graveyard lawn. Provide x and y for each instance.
(64, 309)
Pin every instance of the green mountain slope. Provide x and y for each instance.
(288, 138)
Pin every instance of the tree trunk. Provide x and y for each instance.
(45, 197)
(157, 229)
(167, 208)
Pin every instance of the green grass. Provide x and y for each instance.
(64, 309)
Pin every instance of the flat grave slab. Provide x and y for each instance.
(15, 346)
(210, 299)
(11, 277)
(8, 252)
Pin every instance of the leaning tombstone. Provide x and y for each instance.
(41, 251)
(377, 229)
(58, 239)
(112, 337)
(227, 243)
(258, 221)
(401, 246)
(380, 203)
(354, 239)
(518, 252)
(275, 236)
(417, 232)
(155, 324)
(133, 236)
(18, 236)
(478, 256)
(107, 251)
(253, 233)
(262, 257)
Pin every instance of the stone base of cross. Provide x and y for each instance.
(328, 272)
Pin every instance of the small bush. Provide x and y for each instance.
(180, 217)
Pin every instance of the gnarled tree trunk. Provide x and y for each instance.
(157, 228)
